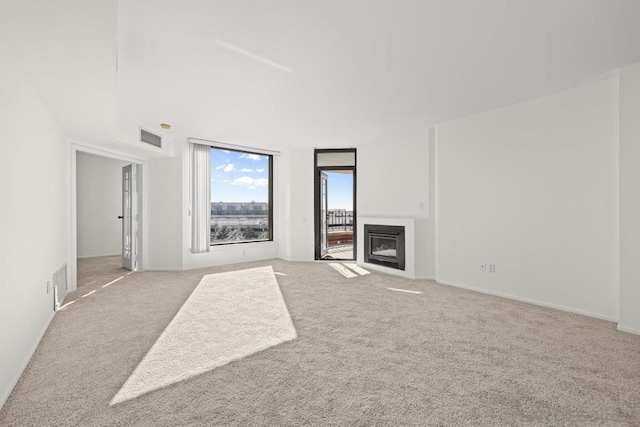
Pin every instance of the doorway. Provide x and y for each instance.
(106, 217)
(335, 204)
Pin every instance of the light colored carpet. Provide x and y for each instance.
(364, 356)
(227, 317)
(99, 270)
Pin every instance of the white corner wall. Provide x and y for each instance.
(533, 188)
(630, 199)
(99, 202)
(34, 219)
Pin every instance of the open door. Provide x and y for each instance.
(324, 214)
(335, 229)
(127, 218)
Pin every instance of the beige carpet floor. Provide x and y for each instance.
(363, 356)
(228, 317)
(99, 270)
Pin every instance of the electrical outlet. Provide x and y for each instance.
(48, 286)
(483, 266)
(492, 267)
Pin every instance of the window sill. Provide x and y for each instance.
(242, 245)
(244, 242)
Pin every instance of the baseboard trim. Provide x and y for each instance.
(6, 395)
(529, 301)
(628, 330)
(98, 256)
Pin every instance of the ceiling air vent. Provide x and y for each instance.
(150, 138)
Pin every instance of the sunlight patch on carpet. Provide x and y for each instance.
(349, 270)
(113, 281)
(405, 291)
(361, 271)
(343, 270)
(66, 305)
(228, 316)
(92, 292)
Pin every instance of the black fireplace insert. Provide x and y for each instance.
(384, 245)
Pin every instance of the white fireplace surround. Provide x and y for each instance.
(415, 235)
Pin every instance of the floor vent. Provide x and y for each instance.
(59, 286)
(150, 138)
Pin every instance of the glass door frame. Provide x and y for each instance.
(317, 195)
(128, 214)
(323, 214)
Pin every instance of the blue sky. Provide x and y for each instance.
(239, 177)
(242, 177)
(340, 190)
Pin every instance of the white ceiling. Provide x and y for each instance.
(309, 73)
(363, 70)
(68, 50)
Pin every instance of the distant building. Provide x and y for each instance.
(240, 208)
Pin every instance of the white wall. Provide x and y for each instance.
(283, 191)
(297, 242)
(533, 187)
(430, 256)
(630, 199)
(34, 219)
(127, 139)
(164, 211)
(99, 202)
(393, 178)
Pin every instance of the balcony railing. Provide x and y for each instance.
(340, 220)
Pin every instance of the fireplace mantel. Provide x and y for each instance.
(416, 256)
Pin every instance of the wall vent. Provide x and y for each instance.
(59, 286)
(150, 138)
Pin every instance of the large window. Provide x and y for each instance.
(241, 196)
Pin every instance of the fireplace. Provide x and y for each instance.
(384, 245)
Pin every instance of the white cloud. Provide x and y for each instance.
(246, 170)
(251, 156)
(260, 170)
(227, 167)
(251, 183)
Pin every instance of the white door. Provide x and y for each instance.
(127, 218)
(324, 214)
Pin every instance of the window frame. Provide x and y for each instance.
(269, 201)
